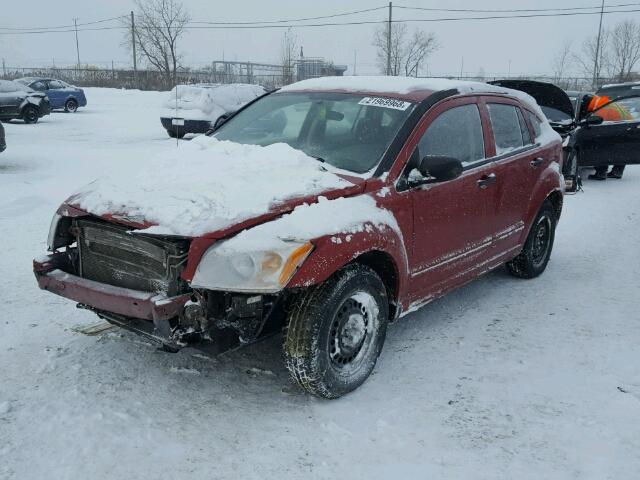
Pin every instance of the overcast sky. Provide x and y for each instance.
(529, 44)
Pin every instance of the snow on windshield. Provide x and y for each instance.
(208, 102)
(207, 185)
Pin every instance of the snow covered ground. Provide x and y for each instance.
(501, 379)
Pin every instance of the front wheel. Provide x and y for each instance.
(30, 114)
(71, 106)
(336, 331)
(533, 259)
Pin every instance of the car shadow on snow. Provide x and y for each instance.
(258, 369)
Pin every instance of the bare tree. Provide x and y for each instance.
(418, 49)
(586, 60)
(288, 57)
(624, 49)
(562, 62)
(398, 40)
(159, 26)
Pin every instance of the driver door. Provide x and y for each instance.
(454, 221)
(617, 140)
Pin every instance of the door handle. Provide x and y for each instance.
(536, 162)
(487, 180)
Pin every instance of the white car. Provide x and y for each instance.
(198, 108)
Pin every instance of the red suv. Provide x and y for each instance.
(330, 208)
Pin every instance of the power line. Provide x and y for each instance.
(63, 26)
(516, 10)
(411, 20)
(191, 26)
(355, 12)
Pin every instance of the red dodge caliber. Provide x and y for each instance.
(326, 209)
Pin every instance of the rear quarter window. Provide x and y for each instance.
(536, 123)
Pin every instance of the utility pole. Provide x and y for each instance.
(133, 44)
(4, 68)
(461, 68)
(355, 61)
(389, 39)
(75, 23)
(595, 63)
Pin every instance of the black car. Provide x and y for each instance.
(3, 142)
(19, 101)
(606, 135)
(619, 90)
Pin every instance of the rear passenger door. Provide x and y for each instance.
(517, 164)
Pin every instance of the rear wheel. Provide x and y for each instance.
(336, 331)
(30, 114)
(71, 106)
(533, 259)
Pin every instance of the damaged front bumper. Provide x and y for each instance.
(147, 313)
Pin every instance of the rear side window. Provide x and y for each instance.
(455, 133)
(526, 136)
(507, 132)
(536, 124)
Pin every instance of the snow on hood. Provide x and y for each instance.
(208, 185)
(208, 102)
(344, 215)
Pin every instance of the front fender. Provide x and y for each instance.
(30, 101)
(333, 252)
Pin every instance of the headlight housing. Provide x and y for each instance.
(53, 229)
(268, 270)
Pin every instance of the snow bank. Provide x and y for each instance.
(208, 102)
(207, 185)
(327, 217)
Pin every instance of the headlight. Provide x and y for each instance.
(225, 267)
(51, 238)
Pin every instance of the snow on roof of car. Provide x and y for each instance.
(386, 84)
(410, 88)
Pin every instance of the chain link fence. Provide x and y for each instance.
(269, 76)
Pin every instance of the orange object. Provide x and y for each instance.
(597, 102)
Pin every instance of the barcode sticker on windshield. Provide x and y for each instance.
(385, 103)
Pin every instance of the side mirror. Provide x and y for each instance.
(592, 120)
(440, 168)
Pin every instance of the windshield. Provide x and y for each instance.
(348, 131)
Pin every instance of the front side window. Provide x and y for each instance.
(348, 131)
(623, 110)
(456, 133)
(55, 85)
(507, 132)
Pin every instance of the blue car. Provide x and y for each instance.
(61, 94)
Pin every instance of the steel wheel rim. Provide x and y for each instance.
(541, 241)
(72, 106)
(352, 331)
